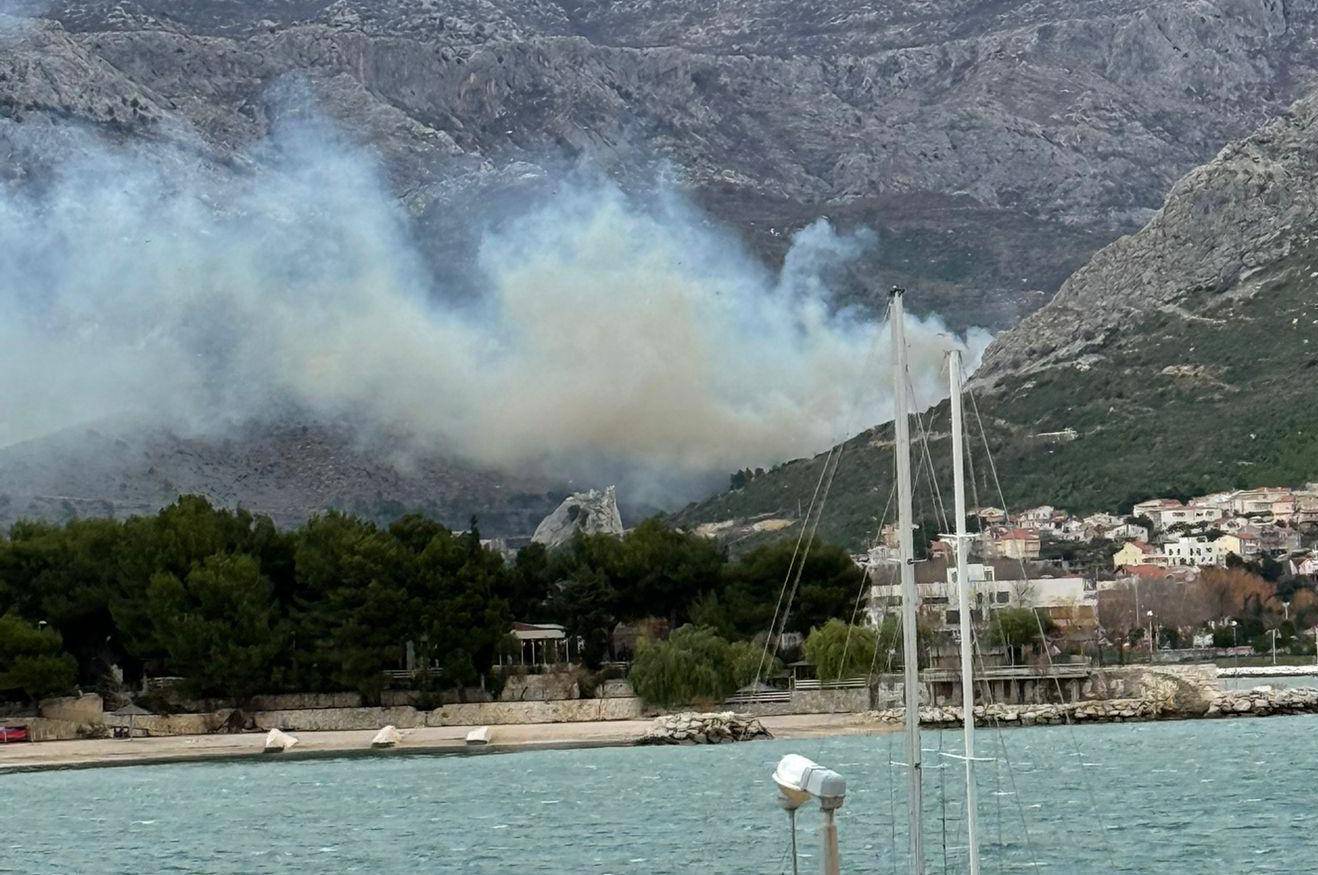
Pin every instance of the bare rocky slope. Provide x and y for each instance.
(993, 146)
(1179, 360)
(285, 471)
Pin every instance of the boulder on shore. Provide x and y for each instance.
(387, 737)
(278, 741)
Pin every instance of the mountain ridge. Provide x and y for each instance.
(1179, 360)
(994, 148)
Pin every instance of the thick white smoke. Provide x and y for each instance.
(615, 332)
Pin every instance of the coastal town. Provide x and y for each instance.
(1202, 587)
(1159, 576)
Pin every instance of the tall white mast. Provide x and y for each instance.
(963, 602)
(906, 551)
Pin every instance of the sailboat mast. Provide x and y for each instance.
(906, 550)
(963, 602)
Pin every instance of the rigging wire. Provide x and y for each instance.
(835, 456)
(788, 576)
(988, 695)
(1070, 724)
(810, 540)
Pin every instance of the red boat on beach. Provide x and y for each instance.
(13, 733)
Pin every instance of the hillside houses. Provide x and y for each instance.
(1161, 533)
(1167, 512)
(1020, 543)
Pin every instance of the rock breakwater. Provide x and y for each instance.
(1264, 702)
(692, 728)
(1258, 702)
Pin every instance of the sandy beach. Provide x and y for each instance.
(446, 739)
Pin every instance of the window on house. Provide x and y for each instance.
(936, 600)
(954, 616)
(1002, 597)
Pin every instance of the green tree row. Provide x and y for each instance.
(237, 607)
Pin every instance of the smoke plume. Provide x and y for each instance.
(615, 333)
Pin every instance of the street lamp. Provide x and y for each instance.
(1153, 645)
(1235, 654)
(1273, 633)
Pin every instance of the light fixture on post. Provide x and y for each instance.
(799, 780)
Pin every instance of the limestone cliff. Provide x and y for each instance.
(589, 513)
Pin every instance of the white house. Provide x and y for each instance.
(1153, 507)
(1036, 515)
(1066, 599)
(1127, 532)
(1305, 566)
(1194, 550)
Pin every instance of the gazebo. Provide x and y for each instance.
(132, 711)
(542, 641)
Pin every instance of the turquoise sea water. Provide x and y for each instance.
(1183, 797)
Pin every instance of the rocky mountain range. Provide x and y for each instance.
(1180, 360)
(286, 471)
(1058, 125)
(993, 147)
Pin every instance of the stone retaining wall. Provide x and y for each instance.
(87, 708)
(470, 714)
(172, 724)
(813, 702)
(540, 687)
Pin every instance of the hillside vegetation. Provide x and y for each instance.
(1182, 357)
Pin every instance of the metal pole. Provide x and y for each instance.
(832, 860)
(906, 550)
(791, 816)
(963, 602)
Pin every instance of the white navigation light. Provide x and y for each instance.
(799, 779)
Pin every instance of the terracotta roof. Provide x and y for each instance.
(1146, 570)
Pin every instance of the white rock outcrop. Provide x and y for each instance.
(278, 741)
(387, 737)
(592, 512)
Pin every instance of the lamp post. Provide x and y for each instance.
(1273, 633)
(1235, 656)
(1153, 645)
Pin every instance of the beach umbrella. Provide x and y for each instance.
(132, 710)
